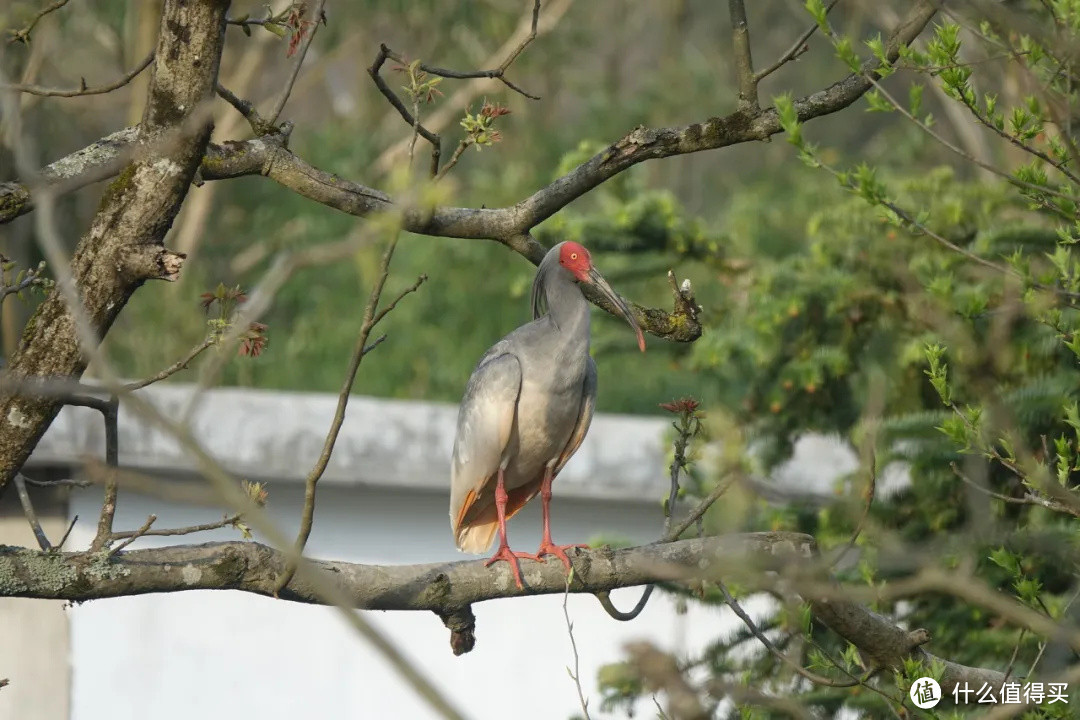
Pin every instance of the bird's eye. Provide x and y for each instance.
(573, 256)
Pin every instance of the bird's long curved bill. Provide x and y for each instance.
(607, 291)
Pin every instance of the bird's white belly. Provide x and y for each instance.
(546, 419)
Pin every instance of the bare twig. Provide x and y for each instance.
(320, 16)
(133, 536)
(498, 73)
(362, 348)
(70, 527)
(257, 122)
(83, 90)
(687, 427)
(744, 63)
(795, 51)
(172, 532)
(1029, 497)
(31, 277)
(23, 35)
(31, 516)
(449, 111)
(575, 674)
(395, 101)
(109, 410)
(172, 369)
(64, 482)
(458, 152)
(764, 640)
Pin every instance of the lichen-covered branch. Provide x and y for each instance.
(255, 568)
(448, 589)
(98, 161)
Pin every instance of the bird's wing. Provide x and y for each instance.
(585, 413)
(485, 421)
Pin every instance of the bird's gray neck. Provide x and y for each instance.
(568, 308)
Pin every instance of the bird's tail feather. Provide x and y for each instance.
(476, 527)
(477, 538)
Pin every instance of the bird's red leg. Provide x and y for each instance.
(504, 552)
(546, 546)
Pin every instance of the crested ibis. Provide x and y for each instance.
(527, 408)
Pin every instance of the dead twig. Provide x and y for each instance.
(498, 73)
(458, 152)
(370, 320)
(574, 674)
(70, 527)
(700, 510)
(133, 536)
(28, 511)
(1029, 497)
(23, 35)
(65, 482)
(110, 410)
(172, 369)
(795, 51)
(257, 122)
(83, 90)
(764, 640)
(172, 532)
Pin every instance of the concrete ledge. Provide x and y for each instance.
(274, 435)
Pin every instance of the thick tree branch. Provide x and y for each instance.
(136, 212)
(885, 645)
(511, 225)
(439, 587)
(448, 589)
(268, 156)
(98, 161)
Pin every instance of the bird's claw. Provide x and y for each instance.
(505, 553)
(549, 548)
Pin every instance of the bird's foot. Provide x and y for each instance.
(549, 548)
(505, 553)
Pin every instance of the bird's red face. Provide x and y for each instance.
(575, 258)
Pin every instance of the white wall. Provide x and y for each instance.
(33, 633)
(230, 654)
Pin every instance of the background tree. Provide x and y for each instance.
(922, 307)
